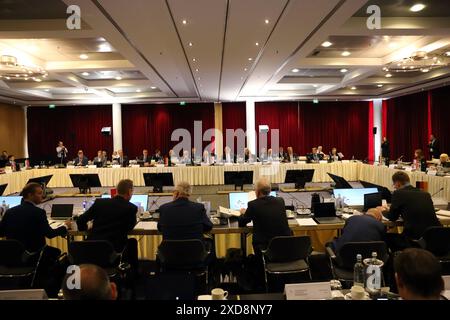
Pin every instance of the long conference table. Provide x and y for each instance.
(228, 236)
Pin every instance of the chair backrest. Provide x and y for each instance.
(437, 240)
(12, 253)
(347, 254)
(288, 248)
(98, 252)
(182, 254)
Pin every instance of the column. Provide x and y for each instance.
(250, 120)
(117, 126)
(218, 132)
(25, 135)
(377, 122)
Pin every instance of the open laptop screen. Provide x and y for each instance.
(353, 197)
(136, 199)
(239, 200)
(12, 201)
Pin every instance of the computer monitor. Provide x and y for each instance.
(61, 211)
(353, 197)
(3, 163)
(239, 200)
(11, 201)
(372, 200)
(85, 182)
(238, 178)
(324, 210)
(98, 164)
(299, 177)
(158, 180)
(43, 181)
(341, 183)
(139, 200)
(385, 192)
(3, 188)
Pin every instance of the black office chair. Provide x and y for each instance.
(437, 241)
(287, 255)
(187, 256)
(342, 264)
(17, 266)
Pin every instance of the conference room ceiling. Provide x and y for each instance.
(141, 51)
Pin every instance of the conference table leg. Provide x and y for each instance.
(244, 243)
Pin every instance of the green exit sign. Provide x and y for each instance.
(182, 103)
(52, 106)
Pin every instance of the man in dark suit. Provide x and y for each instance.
(145, 159)
(80, 160)
(268, 215)
(182, 219)
(112, 220)
(123, 160)
(157, 156)
(361, 228)
(28, 223)
(228, 157)
(314, 156)
(414, 206)
(434, 147)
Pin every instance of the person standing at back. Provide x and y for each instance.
(434, 147)
(385, 151)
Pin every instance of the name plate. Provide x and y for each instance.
(308, 291)
(345, 161)
(181, 165)
(432, 173)
(228, 163)
(408, 169)
(70, 167)
(392, 166)
(116, 165)
(135, 166)
(92, 166)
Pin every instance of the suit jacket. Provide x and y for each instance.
(182, 219)
(359, 229)
(385, 150)
(29, 225)
(434, 148)
(145, 159)
(269, 220)
(112, 220)
(416, 209)
(157, 158)
(288, 158)
(83, 162)
(123, 161)
(310, 157)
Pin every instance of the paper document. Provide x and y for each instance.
(306, 222)
(146, 225)
(445, 213)
(308, 291)
(229, 212)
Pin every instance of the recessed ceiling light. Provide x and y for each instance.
(190, 44)
(245, 69)
(345, 53)
(153, 88)
(425, 70)
(295, 70)
(257, 44)
(104, 47)
(388, 75)
(37, 80)
(138, 90)
(118, 78)
(193, 59)
(379, 85)
(326, 44)
(184, 21)
(196, 70)
(315, 85)
(344, 70)
(47, 90)
(250, 59)
(353, 88)
(266, 21)
(417, 7)
(84, 56)
(7, 78)
(85, 74)
(198, 78)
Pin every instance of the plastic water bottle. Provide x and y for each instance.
(373, 276)
(358, 272)
(339, 202)
(84, 205)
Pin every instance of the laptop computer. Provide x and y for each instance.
(325, 213)
(26, 294)
(239, 200)
(372, 200)
(61, 211)
(3, 188)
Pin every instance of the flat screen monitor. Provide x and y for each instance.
(299, 177)
(353, 197)
(239, 200)
(3, 188)
(61, 211)
(372, 200)
(158, 180)
(139, 200)
(43, 181)
(11, 201)
(238, 178)
(85, 181)
(341, 183)
(385, 192)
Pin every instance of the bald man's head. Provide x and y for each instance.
(262, 187)
(376, 213)
(94, 285)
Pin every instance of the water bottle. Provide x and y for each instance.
(339, 202)
(358, 272)
(373, 275)
(84, 205)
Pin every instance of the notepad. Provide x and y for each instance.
(445, 213)
(306, 222)
(146, 225)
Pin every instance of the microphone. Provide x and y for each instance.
(437, 192)
(400, 158)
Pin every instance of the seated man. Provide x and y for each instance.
(228, 157)
(414, 206)
(112, 220)
(122, 159)
(290, 155)
(268, 215)
(334, 155)
(361, 228)
(94, 285)
(185, 159)
(145, 159)
(80, 160)
(314, 156)
(99, 158)
(443, 161)
(157, 157)
(418, 275)
(183, 219)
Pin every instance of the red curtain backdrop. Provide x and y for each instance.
(233, 117)
(151, 126)
(79, 127)
(302, 125)
(384, 119)
(407, 124)
(440, 117)
(371, 142)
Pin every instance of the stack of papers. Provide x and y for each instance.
(146, 225)
(306, 222)
(445, 213)
(229, 212)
